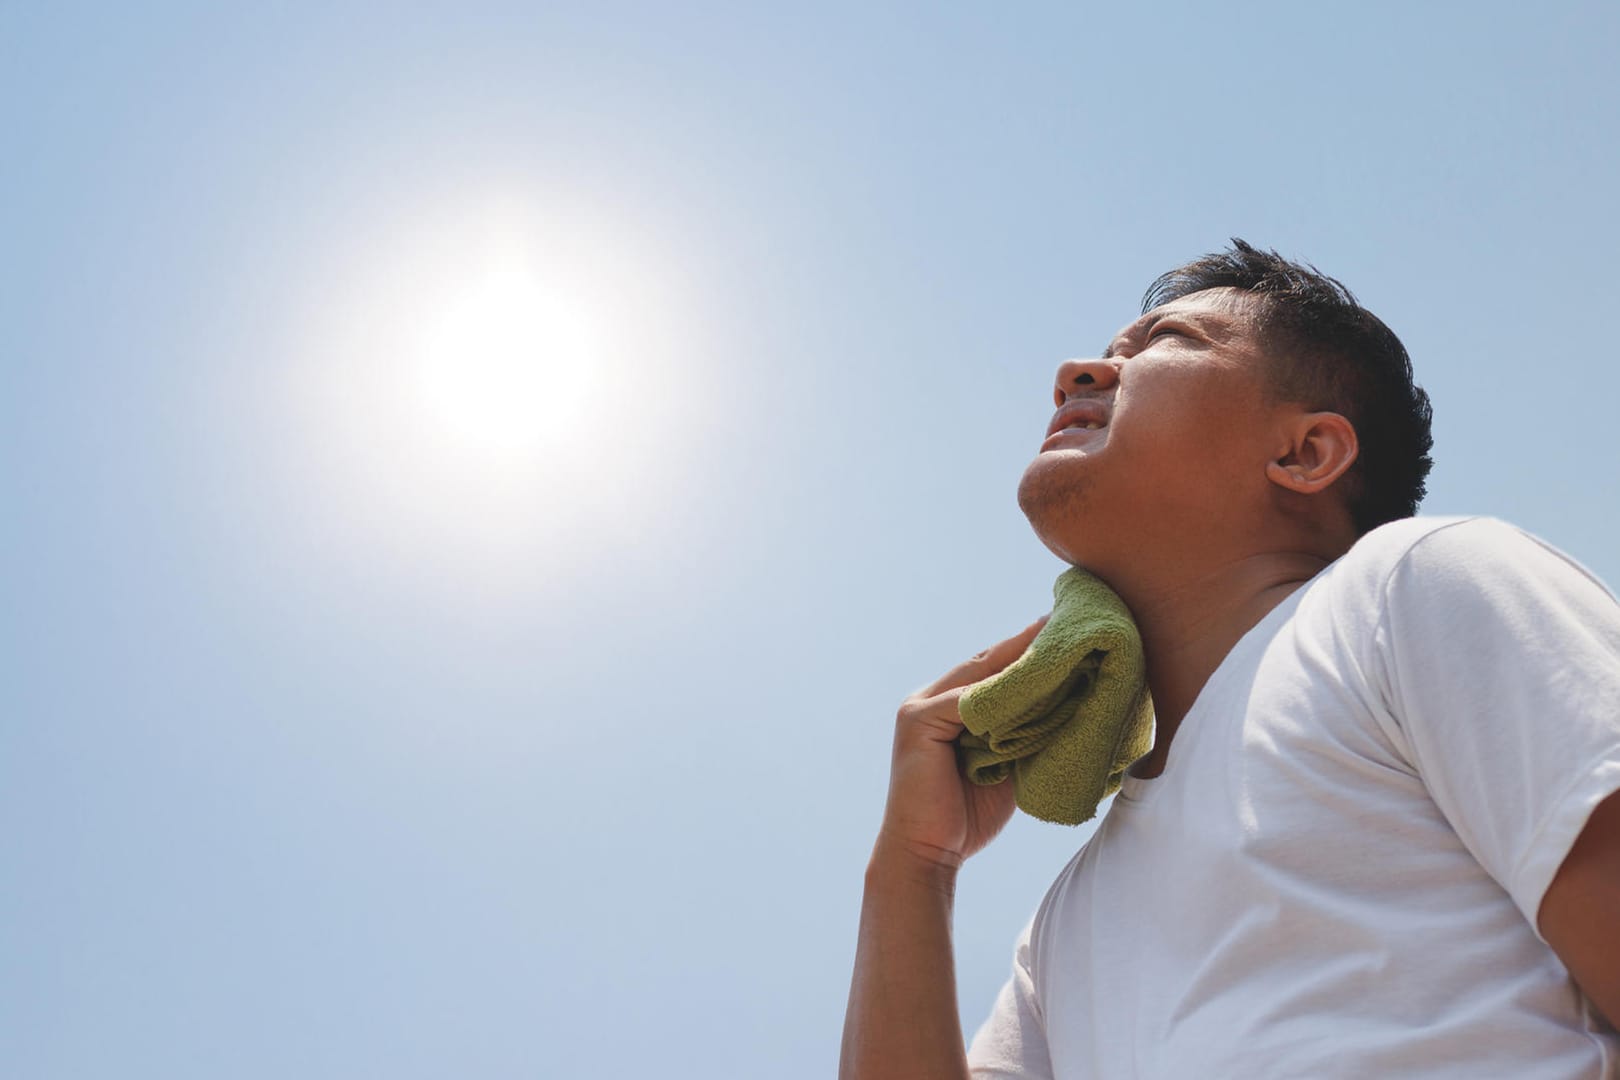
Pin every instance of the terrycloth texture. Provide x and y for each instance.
(1068, 717)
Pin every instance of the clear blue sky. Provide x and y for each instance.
(333, 744)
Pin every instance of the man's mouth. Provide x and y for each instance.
(1076, 417)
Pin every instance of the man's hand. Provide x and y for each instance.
(934, 812)
(902, 1019)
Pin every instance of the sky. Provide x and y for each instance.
(361, 715)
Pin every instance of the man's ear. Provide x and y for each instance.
(1320, 447)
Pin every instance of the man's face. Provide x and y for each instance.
(1167, 434)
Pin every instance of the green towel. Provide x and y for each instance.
(1068, 717)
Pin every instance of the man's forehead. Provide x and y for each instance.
(1223, 306)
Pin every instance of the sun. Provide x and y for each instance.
(507, 364)
(489, 391)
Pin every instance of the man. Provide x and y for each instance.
(1374, 835)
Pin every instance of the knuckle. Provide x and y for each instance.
(922, 709)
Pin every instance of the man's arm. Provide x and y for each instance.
(1580, 913)
(902, 1019)
(1504, 679)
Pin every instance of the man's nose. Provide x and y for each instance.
(1076, 377)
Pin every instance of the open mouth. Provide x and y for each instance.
(1077, 418)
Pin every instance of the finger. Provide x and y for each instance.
(937, 718)
(986, 663)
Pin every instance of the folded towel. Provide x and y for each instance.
(1068, 717)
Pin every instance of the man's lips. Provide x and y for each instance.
(1083, 415)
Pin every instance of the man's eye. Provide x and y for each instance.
(1163, 331)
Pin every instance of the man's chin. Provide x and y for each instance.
(1054, 506)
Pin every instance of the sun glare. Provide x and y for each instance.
(470, 370)
(506, 366)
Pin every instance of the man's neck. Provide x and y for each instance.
(1192, 620)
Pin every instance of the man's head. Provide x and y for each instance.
(1254, 402)
(1327, 352)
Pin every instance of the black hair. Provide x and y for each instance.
(1330, 353)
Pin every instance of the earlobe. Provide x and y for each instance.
(1321, 447)
(1287, 476)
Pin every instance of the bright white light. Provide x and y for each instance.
(507, 365)
(493, 391)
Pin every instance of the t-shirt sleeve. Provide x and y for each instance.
(1012, 1041)
(1502, 667)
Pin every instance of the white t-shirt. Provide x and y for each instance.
(1338, 873)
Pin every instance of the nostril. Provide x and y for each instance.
(1084, 378)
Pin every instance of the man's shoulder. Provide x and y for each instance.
(1440, 541)
(1395, 540)
(1462, 551)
